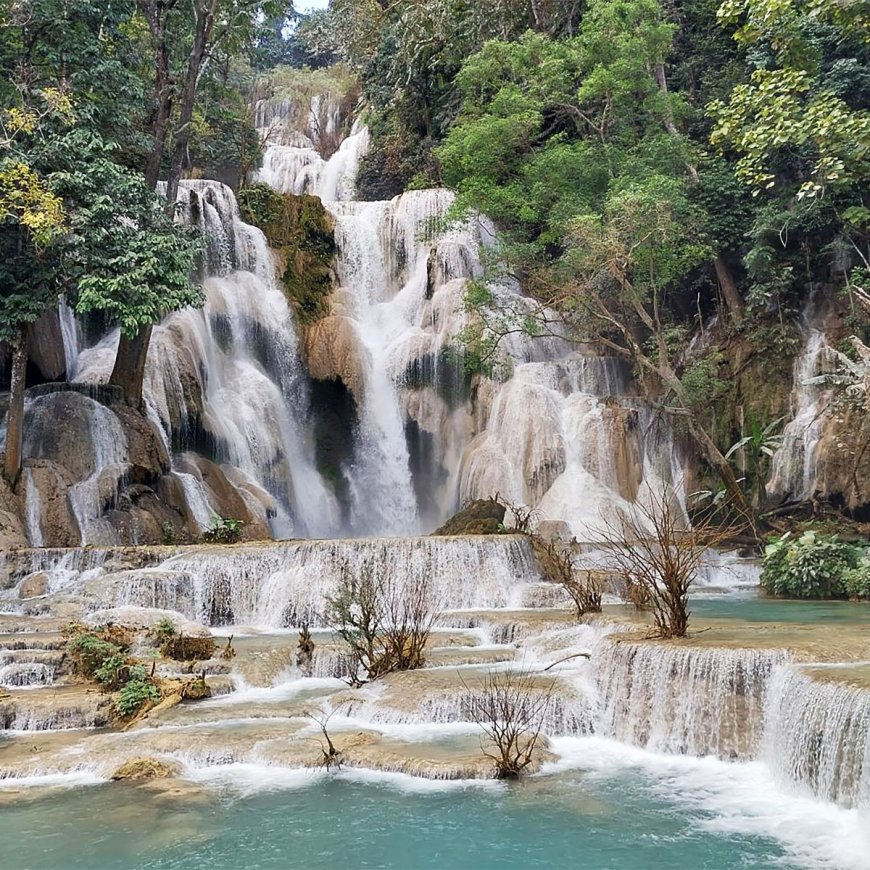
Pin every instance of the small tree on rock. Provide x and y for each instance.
(511, 708)
(386, 625)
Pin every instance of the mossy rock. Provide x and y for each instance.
(183, 648)
(302, 232)
(139, 769)
(480, 517)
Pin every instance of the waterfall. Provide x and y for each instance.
(287, 584)
(684, 700)
(231, 369)
(32, 510)
(819, 735)
(794, 465)
(70, 332)
(88, 497)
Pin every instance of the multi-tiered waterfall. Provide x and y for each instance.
(228, 387)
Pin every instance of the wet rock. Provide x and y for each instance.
(146, 768)
(480, 517)
(146, 453)
(12, 534)
(227, 501)
(34, 585)
(46, 346)
(57, 522)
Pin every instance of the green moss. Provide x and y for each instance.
(302, 232)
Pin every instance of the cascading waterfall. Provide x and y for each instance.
(235, 364)
(547, 437)
(287, 585)
(32, 510)
(684, 700)
(819, 736)
(88, 497)
(794, 465)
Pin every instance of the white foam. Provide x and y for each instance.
(739, 798)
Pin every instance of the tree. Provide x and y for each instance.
(182, 41)
(32, 220)
(386, 625)
(658, 552)
(511, 708)
(75, 222)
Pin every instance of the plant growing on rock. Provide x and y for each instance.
(136, 692)
(224, 530)
(385, 625)
(511, 708)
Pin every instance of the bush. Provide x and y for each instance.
(224, 531)
(98, 654)
(137, 691)
(856, 581)
(811, 566)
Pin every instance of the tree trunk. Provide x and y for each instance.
(15, 415)
(716, 458)
(129, 370)
(729, 290)
(201, 39)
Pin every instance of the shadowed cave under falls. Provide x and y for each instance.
(343, 443)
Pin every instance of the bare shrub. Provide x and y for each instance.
(525, 518)
(305, 651)
(511, 708)
(386, 625)
(329, 756)
(658, 556)
(557, 563)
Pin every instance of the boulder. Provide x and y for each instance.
(138, 769)
(12, 533)
(332, 350)
(46, 346)
(147, 454)
(480, 517)
(226, 500)
(34, 585)
(57, 522)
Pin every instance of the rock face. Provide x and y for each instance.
(481, 517)
(46, 346)
(97, 471)
(843, 476)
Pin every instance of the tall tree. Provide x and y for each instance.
(183, 40)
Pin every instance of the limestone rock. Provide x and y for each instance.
(146, 768)
(332, 350)
(57, 522)
(226, 500)
(12, 534)
(46, 346)
(481, 517)
(34, 585)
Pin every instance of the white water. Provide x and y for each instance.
(32, 510)
(794, 465)
(89, 497)
(548, 437)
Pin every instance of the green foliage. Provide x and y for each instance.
(812, 566)
(137, 691)
(91, 652)
(856, 581)
(224, 530)
(701, 381)
(301, 230)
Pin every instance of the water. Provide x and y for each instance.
(621, 819)
(755, 608)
